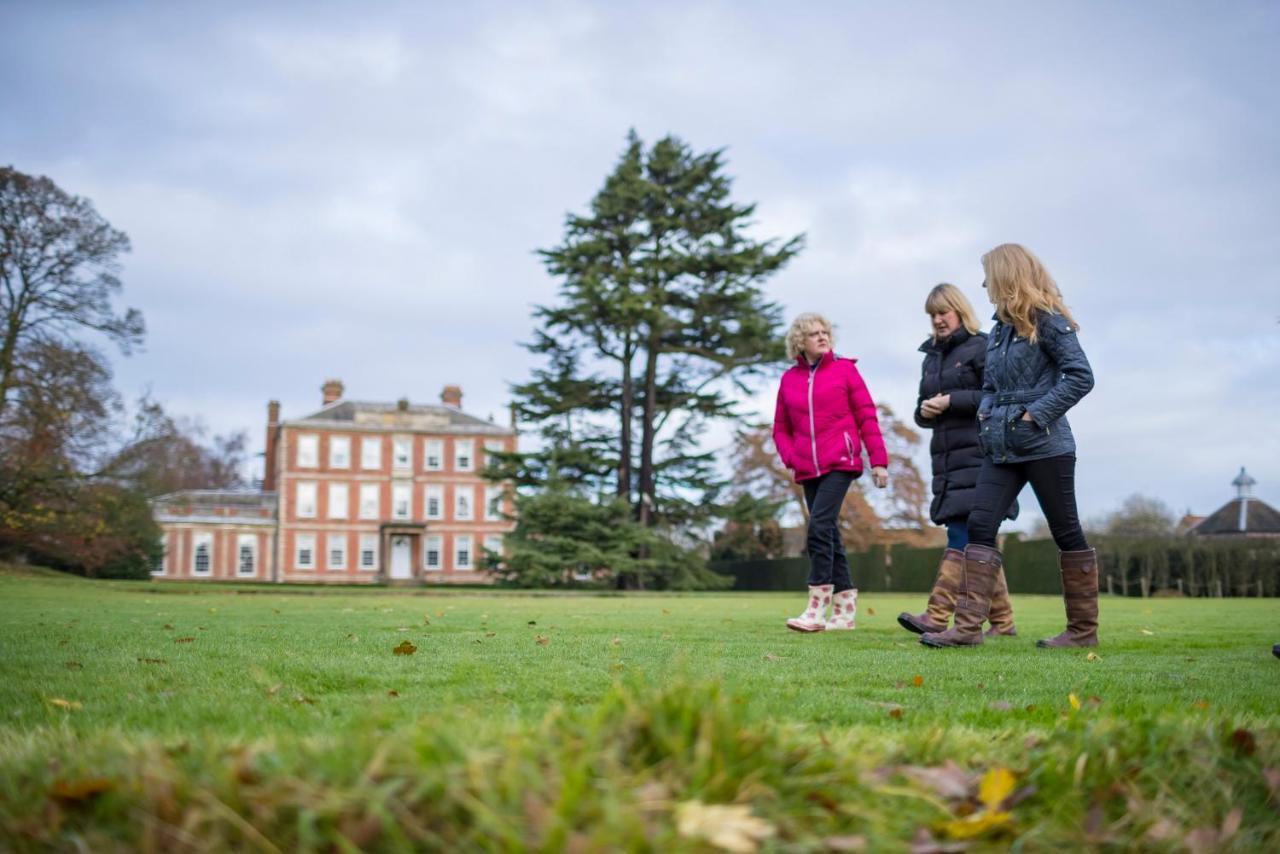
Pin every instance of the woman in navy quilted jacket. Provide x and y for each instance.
(1035, 371)
(824, 417)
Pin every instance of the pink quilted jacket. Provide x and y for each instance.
(824, 417)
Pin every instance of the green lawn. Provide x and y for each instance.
(184, 716)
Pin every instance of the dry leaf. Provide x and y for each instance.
(403, 629)
(996, 785)
(730, 827)
(1272, 776)
(439, 613)
(917, 680)
(1231, 824)
(1244, 742)
(768, 656)
(405, 648)
(169, 626)
(1200, 704)
(184, 640)
(491, 634)
(300, 699)
(77, 791)
(1093, 656)
(1202, 840)
(924, 843)
(1147, 632)
(1074, 701)
(948, 781)
(978, 824)
(426, 621)
(65, 704)
(74, 665)
(896, 713)
(845, 843)
(1000, 706)
(665, 611)
(615, 641)
(393, 693)
(871, 612)
(542, 640)
(151, 660)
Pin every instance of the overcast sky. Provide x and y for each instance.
(356, 190)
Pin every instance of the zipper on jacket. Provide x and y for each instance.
(813, 430)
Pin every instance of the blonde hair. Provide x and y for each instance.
(1020, 287)
(800, 328)
(946, 297)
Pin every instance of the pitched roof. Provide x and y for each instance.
(1260, 518)
(399, 416)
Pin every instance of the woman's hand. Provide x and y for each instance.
(1026, 416)
(880, 476)
(935, 406)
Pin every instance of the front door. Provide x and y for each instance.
(400, 563)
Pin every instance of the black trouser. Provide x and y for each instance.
(1054, 482)
(827, 561)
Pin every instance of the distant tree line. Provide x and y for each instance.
(74, 479)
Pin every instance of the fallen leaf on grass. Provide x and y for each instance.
(996, 785)
(1244, 742)
(846, 843)
(1147, 632)
(871, 612)
(491, 634)
(768, 656)
(1200, 704)
(1272, 776)
(151, 660)
(730, 827)
(271, 692)
(948, 781)
(917, 680)
(1074, 701)
(184, 640)
(79, 791)
(440, 613)
(301, 699)
(665, 611)
(405, 648)
(542, 640)
(1231, 823)
(896, 713)
(74, 665)
(393, 693)
(1030, 707)
(403, 629)
(615, 642)
(665, 636)
(1000, 706)
(924, 843)
(1093, 656)
(168, 626)
(65, 704)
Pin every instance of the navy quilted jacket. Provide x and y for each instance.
(1044, 379)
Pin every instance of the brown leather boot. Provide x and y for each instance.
(1001, 617)
(1080, 594)
(981, 566)
(942, 601)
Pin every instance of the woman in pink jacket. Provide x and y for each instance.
(824, 416)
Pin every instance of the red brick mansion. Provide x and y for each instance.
(355, 492)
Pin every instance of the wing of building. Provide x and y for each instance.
(354, 492)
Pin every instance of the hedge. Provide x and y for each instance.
(1127, 567)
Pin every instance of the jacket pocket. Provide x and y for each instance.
(1026, 437)
(848, 447)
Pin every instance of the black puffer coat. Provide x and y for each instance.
(954, 366)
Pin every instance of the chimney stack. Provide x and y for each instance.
(452, 396)
(332, 390)
(269, 457)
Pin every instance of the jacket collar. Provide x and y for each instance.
(955, 339)
(827, 358)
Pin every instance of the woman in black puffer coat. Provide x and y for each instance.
(950, 391)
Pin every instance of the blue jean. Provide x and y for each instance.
(827, 561)
(958, 535)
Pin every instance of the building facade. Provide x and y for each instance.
(355, 492)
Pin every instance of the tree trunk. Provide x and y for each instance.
(628, 402)
(644, 512)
